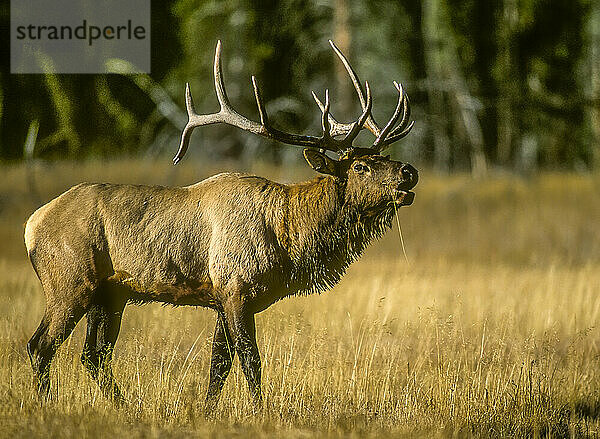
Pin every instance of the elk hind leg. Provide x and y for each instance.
(56, 325)
(104, 324)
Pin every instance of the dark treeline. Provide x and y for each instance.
(507, 83)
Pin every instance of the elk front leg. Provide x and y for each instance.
(220, 362)
(243, 332)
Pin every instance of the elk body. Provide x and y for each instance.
(235, 243)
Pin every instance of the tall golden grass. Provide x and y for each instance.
(490, 330)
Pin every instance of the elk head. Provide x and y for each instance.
(372, 180)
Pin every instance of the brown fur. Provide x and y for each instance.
(235, 243)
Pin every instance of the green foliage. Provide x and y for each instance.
(525, 65)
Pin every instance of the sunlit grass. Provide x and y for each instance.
(490, 331)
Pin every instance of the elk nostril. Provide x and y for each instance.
(406, 173)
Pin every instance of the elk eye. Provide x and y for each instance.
(360, 168)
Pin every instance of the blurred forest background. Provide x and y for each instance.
(511, 84)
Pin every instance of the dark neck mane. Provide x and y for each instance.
(326, 233)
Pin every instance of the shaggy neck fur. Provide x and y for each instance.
(326, 232)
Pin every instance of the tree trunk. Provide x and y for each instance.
(433, 66)
(343, 39)
(506, 80)
(446, 77)
(594, 109)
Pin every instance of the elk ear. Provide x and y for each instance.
(320, 162)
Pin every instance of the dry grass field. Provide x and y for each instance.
(490, 330)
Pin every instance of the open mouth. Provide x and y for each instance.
(403, 198)
(403, 195)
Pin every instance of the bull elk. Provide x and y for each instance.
(234, 243)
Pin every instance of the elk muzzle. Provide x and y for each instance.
(409, 178)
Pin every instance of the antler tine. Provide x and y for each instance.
(349, 130)
(398, 136)
(226, 114)
(358, 125)
(325, 119)
(403, 127)
(337, 128)
(400, 106)
(370, 123)
(218, 75)
(189, 127)
(264, 119)
(405, 114)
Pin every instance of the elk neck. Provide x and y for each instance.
(324, 232)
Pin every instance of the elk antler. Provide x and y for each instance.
(384, 137)
(229, 116)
